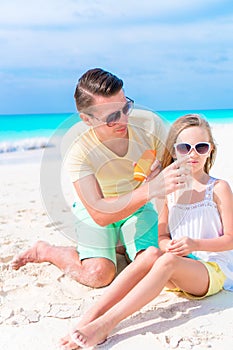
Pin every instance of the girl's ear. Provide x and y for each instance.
(85, 118)
(173, 153)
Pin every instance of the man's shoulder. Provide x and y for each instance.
(76, 137)
(80, 129)
(144, 115)
(78, 132)
(146, 119)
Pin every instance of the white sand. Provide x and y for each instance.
(38, 304)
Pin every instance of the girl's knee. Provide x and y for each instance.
(169, 259)
(152, 254)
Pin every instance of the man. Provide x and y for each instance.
(111, 205)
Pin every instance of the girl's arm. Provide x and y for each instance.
(224, 199)
(164, 235)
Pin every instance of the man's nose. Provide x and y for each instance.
(123, 118)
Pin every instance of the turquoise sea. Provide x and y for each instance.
(31, 131)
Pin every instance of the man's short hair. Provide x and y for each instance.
(95, 82)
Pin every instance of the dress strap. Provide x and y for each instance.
(170, 199)
(210, 189)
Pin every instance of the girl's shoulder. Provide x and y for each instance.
(222, 189)
(221, 185)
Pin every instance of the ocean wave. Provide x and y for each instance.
(24, 144)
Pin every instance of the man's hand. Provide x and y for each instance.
(170, 179)
(155, 170)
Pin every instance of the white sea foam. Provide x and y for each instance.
(24, 144)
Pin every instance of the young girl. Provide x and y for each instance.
(195, 235)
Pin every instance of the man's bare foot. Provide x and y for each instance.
(32, 255)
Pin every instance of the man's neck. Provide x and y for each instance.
(118, 145)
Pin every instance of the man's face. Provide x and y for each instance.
(109, 115)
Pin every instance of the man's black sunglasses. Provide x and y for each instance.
(113, 118)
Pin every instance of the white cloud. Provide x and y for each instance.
(157, 43)
(30, 13)
(152, 42)
(71, 12)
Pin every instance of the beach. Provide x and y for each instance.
(39, 304)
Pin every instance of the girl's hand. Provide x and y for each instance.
(182, 246)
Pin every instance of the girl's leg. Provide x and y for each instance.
(124, 282)
(122, 285)
(190, 275)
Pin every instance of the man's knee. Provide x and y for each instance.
(100, 271)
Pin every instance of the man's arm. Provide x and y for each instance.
(108, 210)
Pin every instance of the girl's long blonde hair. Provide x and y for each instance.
(179, 125)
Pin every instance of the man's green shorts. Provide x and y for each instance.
(136, 232)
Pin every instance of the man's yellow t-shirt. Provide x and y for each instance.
(114, 174)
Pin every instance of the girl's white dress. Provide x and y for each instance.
(201, 220)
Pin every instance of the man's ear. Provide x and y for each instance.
(85, 118)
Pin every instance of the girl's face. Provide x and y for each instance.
(193, 136)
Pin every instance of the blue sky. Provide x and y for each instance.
(170, 54)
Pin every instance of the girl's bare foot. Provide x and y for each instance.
(92, 334)
(66, 343)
